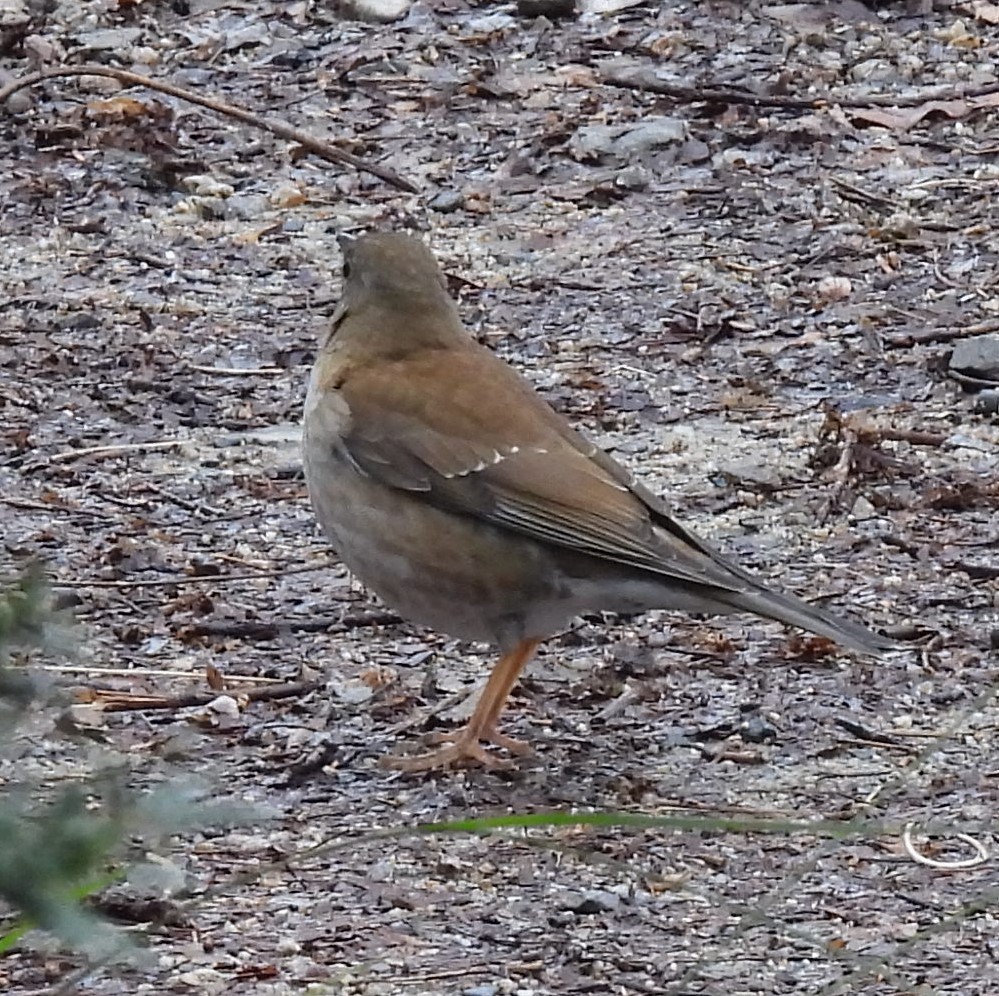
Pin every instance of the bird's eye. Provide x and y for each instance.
(346, 271)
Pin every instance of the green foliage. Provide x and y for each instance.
(50, 856)
(54, 847)
(25, 621)
(57, 847)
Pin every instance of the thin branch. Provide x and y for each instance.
(121, 702)
(279, 128)
(923, 336)
(144, 672)
(644, 79)
(266, 629)
(647, 81)
(239, 371)
(184, 579)
(116, 448)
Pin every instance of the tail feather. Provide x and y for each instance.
(732, 587)
(797, 612)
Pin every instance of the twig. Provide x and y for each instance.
(267, 630)
(186, 579)
(456, 698)
(647, 81)
(121, 703)
(191, 506)
(863, 733)
(239, 371)
(641, 78)
(454, 973)
(40, 506)
(124, 672)
(981, 853)
(242, 562)
(915, 436)
(279, 128)
(912, 549)
(977, 572)
(860, 196)
(115, 449)
(905, 339)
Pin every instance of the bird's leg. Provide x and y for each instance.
(489, 729)
(484, 724)
(466, 743)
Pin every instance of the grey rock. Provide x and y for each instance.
(19, 102)
(977, 357)
(655, 133)
(987, 402)
(590, 902)
(488, 989)
(624, 143)
(632, 178)
(752, 474)
(552, 9)
(593, 141)
(245, 207)
(863, 509)
(447, 201)
(756, 730)
(375, 11)
(110, 38)
(13, 13)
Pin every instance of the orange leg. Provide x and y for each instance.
(466, 744)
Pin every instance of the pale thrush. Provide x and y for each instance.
(453, 491)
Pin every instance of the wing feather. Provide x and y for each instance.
(497, 451)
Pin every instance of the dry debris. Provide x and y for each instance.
(737, 242)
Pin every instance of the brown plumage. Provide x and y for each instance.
(453, 490)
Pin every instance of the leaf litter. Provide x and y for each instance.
(748, 287)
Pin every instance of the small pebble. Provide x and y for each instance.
(244, 207)
(863, 509)
(552, 9)
(632, 178)
(590, 902)
(375, 11)
(987, 403)
(447, 201)
(977, 357)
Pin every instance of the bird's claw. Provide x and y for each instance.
(463, 747)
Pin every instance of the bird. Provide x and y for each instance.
(456, 493)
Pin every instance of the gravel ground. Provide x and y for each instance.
(753, 307)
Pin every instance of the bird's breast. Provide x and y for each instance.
(450, 572)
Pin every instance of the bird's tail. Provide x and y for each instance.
(797, 612)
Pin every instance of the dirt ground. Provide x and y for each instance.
(753, 307)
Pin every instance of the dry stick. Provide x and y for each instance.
(916, 437)
(454, 973)
(266, 694)
(239, 371)
(318, 148)
(186, 579)
(38, 506)
(924, 336)
(124, 672)
(647, 80)
(115, 448)
(267, 629)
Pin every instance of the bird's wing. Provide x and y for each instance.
(486, 445)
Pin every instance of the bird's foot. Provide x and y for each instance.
(491, 736)
(462, 747)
